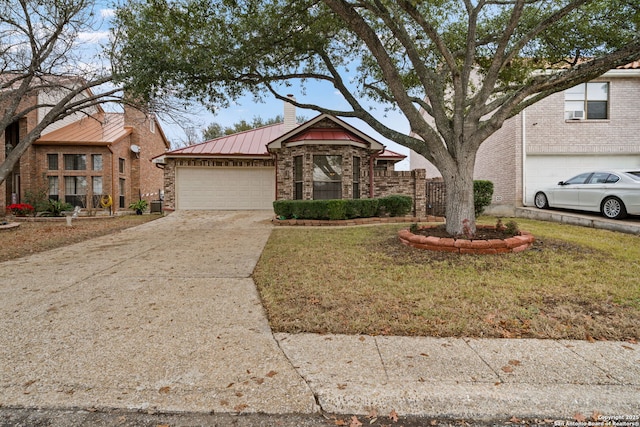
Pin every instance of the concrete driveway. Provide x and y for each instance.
(163, 317)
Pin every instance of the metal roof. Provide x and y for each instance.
(250, 143)
(99, 129)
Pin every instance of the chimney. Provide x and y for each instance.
(289, 114)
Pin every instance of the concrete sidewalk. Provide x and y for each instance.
(165, 317)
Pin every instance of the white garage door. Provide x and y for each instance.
(225, 188)
(545, 171)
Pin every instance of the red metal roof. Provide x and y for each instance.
(388, 154)
(101, 128)
(250, 143)
(328, 134)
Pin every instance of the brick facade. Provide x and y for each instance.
(140, 177)
(554, 145)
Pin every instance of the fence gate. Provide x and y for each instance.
(436, 198)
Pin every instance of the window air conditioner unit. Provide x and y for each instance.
(576, 115)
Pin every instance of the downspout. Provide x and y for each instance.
(113, 183)
(275, 162)
(524, 158)
(371, 159)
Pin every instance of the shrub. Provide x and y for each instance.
(21, 209)
(328, 209)
(362, 208)
(395, 205)
(56, 207)
(38, 198)
(482, 195)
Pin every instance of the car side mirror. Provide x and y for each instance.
(562, 183)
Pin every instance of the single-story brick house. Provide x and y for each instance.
(323, 158)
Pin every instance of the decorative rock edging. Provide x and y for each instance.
(355, 221)
(468, 246)
(9, 226)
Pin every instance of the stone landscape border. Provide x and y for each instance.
(467, 246)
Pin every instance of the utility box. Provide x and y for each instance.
(156, 206)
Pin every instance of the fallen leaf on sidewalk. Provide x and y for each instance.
(355, 422)
(164, 390)
(514, 362)
(240, 408)
(508, 369)
(271, 374)
(579, 417)
(393, 415)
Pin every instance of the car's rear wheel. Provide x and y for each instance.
(613, 208)
(540, 200)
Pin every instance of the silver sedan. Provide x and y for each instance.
(614, 193)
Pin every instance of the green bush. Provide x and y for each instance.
(395, 205)
(56, 207)
(362, 208)
(332, 209)
(482, 195)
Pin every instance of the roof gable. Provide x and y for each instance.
(321, 129)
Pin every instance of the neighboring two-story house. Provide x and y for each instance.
(87, 157)
(594, 125)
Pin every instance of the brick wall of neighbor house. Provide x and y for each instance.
(147, 179)
(617, 135)
(498, 161)
(170, 172)
(41, 171)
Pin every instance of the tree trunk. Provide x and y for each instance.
(460, 212)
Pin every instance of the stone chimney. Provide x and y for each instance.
(289, 115)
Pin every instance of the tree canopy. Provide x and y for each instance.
(216, 130)
(457, 69)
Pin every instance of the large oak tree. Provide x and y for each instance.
(457, 69)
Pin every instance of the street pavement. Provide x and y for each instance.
(166, 318)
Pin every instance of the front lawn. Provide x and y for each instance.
(575, 283)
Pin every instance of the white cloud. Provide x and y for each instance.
(93, 36)
(107, 13)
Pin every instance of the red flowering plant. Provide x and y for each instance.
(21, 209)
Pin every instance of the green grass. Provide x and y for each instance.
(574, 283)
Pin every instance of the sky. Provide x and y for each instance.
(246, 108)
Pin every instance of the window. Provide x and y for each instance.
(122, 187)
(579, 179)
(96, 162)
(75, 162)
(96, 186)
(52, 162)
(298, 178)
(356, 177)
(75, 190)
(152, 125)
(327, 177)
(121, 165)
(587, 101)
(53, 187)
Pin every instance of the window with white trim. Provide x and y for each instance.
(587, 101)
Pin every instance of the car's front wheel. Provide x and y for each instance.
(613, 208)
(540, 200)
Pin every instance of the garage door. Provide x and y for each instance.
(225, 188)
(545, 171)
